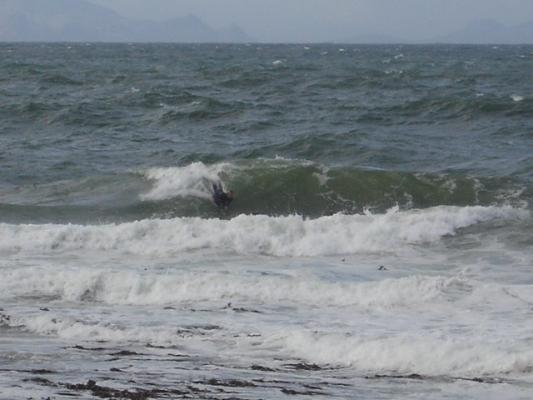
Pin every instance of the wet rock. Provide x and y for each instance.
(78, 347)
(41, 381)
(206, 327)
(110, 393)
(482, 380)
(292, 392)
(410, 376)
(42, 371)
(228, 383)
(125, 353)
(152, 346)
(245, 310)
(261, 368)
(230, 306)
(304, 367)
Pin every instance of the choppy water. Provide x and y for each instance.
(380, 244)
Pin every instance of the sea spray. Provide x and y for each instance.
(193, 180)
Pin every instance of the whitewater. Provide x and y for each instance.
(379, 245)
(403, 295)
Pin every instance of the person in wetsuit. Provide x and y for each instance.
(221, 198)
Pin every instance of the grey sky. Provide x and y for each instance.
(321, 20)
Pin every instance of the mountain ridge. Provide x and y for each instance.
(60, 20)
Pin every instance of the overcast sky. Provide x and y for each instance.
(322, 20)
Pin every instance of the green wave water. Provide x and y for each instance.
(265, 186)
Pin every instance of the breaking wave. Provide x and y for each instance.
(426, 354)
(294, 235)
(133, 288)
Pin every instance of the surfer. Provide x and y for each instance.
(220, 198)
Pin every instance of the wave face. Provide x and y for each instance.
(281, 187)
(276, 187)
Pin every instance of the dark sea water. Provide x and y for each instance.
(117, 268)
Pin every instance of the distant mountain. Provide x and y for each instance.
(489, 31)
(82, 21)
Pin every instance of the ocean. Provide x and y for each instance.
(379, 246)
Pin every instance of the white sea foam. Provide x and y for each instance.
(192, 180)
(132, 288)
(366, 350)
(517, 98)
(258, 234)
(423, 353)
(73, 328)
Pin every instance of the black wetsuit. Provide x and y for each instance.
(220, 198)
